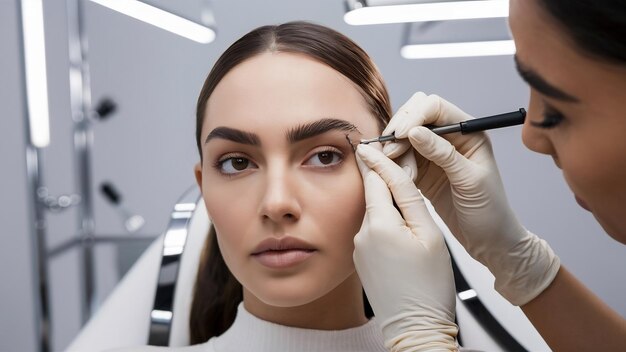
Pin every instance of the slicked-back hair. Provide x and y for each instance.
(217, 293)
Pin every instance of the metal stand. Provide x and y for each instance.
(39, 201)
(38, 249)
(83, 115)
(80, 102)
(37, 216)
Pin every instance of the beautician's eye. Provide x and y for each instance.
(325, 158)
(551, 118)
(234, 164)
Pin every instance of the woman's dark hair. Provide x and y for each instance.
(217, 293)
(597, 27)
(321, 43)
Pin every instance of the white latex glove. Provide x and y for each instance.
(458, 174)
(402, 260)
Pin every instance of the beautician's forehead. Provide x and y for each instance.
(542, 46)
(285, 90)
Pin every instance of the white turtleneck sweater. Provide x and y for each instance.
(249, 333)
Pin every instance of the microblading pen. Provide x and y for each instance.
(469, 126)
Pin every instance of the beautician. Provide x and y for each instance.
(573, 56)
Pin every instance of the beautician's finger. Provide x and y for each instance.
(379, 203)
(441, 152)
(378, 199)
(413, 113)
(407, 196)
(396, 178)
(408, 163)
(422, 109)
(407, 110)
(394, 149)
(363, 169)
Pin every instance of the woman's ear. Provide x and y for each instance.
(197, 170)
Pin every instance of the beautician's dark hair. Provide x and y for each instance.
(598, 27)
(217, 293)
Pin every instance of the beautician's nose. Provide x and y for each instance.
(280, 203)
(536, 138)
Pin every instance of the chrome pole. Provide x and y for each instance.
(38, 225)
(38, 248)
(80, 101)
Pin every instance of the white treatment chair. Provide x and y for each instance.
(127, 317)
(151, 304)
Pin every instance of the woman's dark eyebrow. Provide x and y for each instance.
(295, 134)
(234, 135)
(540, 84)
(318, 127)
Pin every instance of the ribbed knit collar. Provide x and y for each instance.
(249, 333)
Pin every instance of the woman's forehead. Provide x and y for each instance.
(281, 78)
(284, 89)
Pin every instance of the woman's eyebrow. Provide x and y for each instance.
(536, 81)
(234, 135)
(318, 127)
(293, 135)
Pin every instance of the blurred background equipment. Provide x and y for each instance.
(132, 222)
(83, 117)
(103, 96)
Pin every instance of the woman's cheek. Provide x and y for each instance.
(346, 202)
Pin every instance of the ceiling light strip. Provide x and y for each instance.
(465, 49)
(435, 11)
(162, 19)
(35, 72)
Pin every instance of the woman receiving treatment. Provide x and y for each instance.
(283, 192)
(277, 118)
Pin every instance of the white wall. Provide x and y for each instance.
(148, 147)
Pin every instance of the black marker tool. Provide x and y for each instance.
(469, 126)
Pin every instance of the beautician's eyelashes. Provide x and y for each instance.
(233, 164)
(325, 157)
(551, 118)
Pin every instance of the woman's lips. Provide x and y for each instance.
(283, 258)
(282, 252)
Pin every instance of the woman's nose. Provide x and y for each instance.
(536, 138)
(280, 203)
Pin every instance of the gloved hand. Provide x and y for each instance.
(458, 174)
(402, 260)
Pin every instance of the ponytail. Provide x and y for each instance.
(216, 294)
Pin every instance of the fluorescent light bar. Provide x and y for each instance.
(161, 316)
(467, 294)
(435, 11)
(162, 19)
(35, 72)
(467, 49)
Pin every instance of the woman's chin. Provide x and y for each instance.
(616, 227)
(287, 296)
(613, 224)
(287, 300)
(582, 203)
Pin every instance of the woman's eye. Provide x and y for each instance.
(234, 165)
(325, 158)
